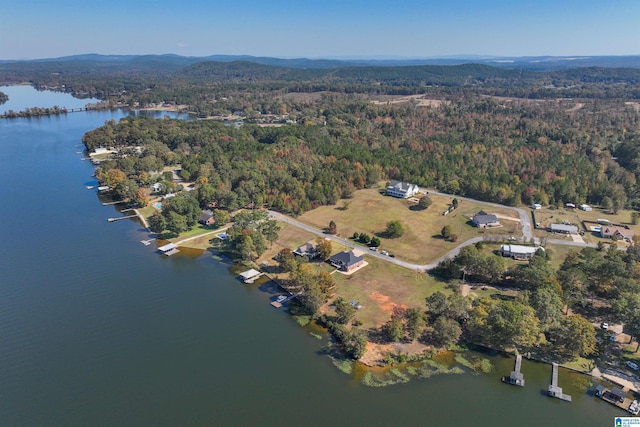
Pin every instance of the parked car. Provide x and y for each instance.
(392, 255)
(384, 253)
(373, 248)
(604, 325)
(632, 365)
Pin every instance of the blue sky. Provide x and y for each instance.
(313, 28)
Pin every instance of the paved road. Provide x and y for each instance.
(525, 221)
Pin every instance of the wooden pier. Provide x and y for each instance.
(516, 377)
(553, 390)
(278, 304)
(121, 217)
(112, 203)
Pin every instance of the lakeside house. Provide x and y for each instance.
(484, 220)
(308, 250)
(536, 206)
(621, 233)
(519, 252)
(564, 229)
(346, 261)
(586, 208)
(206, 217)
(402, 190)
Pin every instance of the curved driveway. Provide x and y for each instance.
(525, 221)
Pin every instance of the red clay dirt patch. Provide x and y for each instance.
(384, 302)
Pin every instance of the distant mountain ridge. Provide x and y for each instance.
(532, 63)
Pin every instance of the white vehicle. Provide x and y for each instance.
(384, 253)
(604, 325)
(281, 298)
(632, 365)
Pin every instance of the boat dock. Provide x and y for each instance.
(112, 203)
(250, 276)
(516, 377)
(147, 242)
(121, 217)
(619, 398)
(169, 249)
(278, 304)
(553, 390)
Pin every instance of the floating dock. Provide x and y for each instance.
(553, 390)
(516, 377)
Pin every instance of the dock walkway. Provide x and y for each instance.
(553, 390)
(516, 377)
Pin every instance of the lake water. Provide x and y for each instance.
(98, 330)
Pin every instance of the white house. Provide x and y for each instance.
(536, 206)
(403, 190)
(586, 208)
(518, 251)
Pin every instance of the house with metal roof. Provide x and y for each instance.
(564, 228)
(519, 251)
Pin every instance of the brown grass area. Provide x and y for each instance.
(369, 212)
(419, 99)
(380, 287)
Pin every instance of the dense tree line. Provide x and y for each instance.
(480, 147)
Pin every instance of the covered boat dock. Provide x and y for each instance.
(169, 249)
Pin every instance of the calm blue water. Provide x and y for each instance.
(98, 330)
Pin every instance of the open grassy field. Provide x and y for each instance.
(380, 286)
(369, 212)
